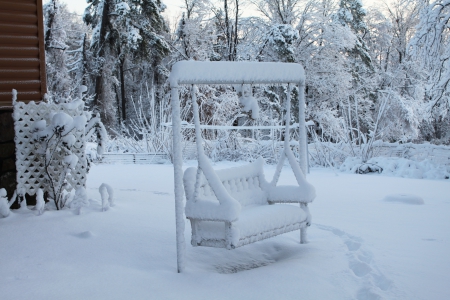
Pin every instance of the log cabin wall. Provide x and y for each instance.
(22, 55)
(22, 67)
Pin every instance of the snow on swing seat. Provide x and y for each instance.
(247, 216)
(255, 223)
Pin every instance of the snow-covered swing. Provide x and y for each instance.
(233, 207)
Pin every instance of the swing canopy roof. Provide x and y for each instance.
(226, 72)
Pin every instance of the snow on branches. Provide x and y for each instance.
(431, 47)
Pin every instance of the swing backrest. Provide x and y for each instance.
(245, 183)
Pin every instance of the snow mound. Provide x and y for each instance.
(85, 235)
(404, 198)
(398, 167)
(239, 267)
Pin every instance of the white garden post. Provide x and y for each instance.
(302, 145)
(287, 134)
(178, 178)
(301, 128)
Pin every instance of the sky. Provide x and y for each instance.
(173, 6)
(172, 11)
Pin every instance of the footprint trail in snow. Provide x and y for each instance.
(362, 264)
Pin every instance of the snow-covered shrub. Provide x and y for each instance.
(248, 102)
(50, 145)
(94, 131)
(397, 166)
(144, 133)
(80, 200)
(55, 142)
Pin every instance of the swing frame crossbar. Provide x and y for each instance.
(225, 73)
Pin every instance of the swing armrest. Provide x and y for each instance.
(291, 194)
(224, 208)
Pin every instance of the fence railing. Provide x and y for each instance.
(417, 152)
(336, 153)
(133, 158)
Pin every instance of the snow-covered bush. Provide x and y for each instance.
(397, 166)
(50, 147)
(94, 131)
(80, 200)
(56, 142)
(247, 101)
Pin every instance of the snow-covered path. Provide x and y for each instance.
(360, 246)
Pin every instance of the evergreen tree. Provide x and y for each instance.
(125, 34)
(98, 15)
(351, 13)
(431, 49)
(64, 35)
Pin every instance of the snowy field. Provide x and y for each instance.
(371, 238)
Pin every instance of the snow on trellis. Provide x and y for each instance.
(29, 164)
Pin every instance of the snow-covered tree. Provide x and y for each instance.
(278, 11)
(227, 24)
(321, 48)
(195, 35)
(431, 47)
(128, 41)
(280, 43)
(59, 83)
(98, 15)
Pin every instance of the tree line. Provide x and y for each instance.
(371, 73)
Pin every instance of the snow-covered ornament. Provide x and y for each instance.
(122, 8)
(4, 205)
(248, 102)
(107, 194)
(40, 203)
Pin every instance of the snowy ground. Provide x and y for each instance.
(367, 242)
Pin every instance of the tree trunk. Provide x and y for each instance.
(49, 24)
(122, 89)
(100, 52)
(227, 28)
(118, 105)
(235, 42)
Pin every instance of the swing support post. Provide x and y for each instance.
(302, 141)
(178, 178)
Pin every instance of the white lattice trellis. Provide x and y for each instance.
(29, 164)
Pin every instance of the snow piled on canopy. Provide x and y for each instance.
(225, 72)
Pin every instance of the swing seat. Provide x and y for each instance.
(243, 207)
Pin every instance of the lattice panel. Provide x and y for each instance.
(29, 164)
